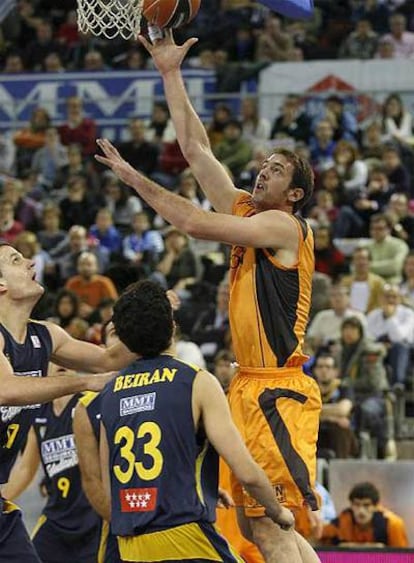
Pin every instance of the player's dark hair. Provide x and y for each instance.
(365, 490)
(143, 319)
(302, 177)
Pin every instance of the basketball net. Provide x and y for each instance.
(110, 18)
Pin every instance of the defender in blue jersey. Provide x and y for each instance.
(25, 349)
(162, 423)
(68, 529)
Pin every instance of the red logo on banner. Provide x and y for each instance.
(138, 500)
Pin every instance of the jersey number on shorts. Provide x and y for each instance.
(12, 431)
(126, 437)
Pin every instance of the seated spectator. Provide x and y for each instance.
(344, 122)
(361, 43)
(335, 431)
(121, 202)
(50, 235)
(50, 159)
(13, 64)
(393, 324)
(77, 166)
(365, 523)
(328, 259)
(402, 220)
(397, 122)
(407, 285)
(177, 267)
(376, 13)
(361, 366)
(397, 173)
(68, 33)
(145, 245)
(53, 63)
(352, 170)
(66, 308)
(104, 231)
(210, 327)
(324, 211)
(91, 287)
(224, 369)
(171, 162)
(93, 61)
(365, 287)
(99, 319)
(26, 209)
(386, 49)
(273, 44)
(44, 44)
(321, 286)
(31, 138)
(322, 146)
(233, 151)
(331, 181)
(254, 127)
(401, 39)
(361, 204)
(372, 142)
(160, 128)
(9, 227)
(292, 122)
(388, 253)
(78, 208)
(78, 129)
(28, 245)
(221, 116)
(141, 154)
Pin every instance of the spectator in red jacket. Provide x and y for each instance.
(78, 128)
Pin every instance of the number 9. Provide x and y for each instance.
(63, 485)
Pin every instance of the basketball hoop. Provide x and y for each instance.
(110, 18)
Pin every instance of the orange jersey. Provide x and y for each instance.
(386, 528)
(269, 303)
(228, 527)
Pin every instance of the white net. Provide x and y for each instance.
(110, 18)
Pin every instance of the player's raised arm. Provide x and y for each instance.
(191, 134)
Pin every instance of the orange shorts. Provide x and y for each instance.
(277, 413)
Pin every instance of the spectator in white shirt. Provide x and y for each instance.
(393, 325)
(402, 40)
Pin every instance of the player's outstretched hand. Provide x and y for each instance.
(98, 381)
(114, 160)
(166, 54)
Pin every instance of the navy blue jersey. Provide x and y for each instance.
(28, 359)
(158, 464)
(67, 505)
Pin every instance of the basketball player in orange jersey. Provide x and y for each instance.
(275, 406)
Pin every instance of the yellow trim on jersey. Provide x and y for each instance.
(42, 520)
(103, 542)
(88, 397)
(9, 506)
(177, 544)
(195, 367)
(198, 466)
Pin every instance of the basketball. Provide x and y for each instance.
(170, 13)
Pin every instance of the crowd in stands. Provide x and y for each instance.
(90, 236)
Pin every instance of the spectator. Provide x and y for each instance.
(352, 170)
(407, 285)
(397, 121)
(78, 129)
(140, 153)
(361, 367)
(377, 13)
(328, 259)
(104, 232)
(321, 286)
(91, 287)
(53, 63)
(7, 154)
(393, 324)
(160, 128)
(254, 127)
(361, 43)
(68, 33)
(344, 122)
(364, 286)
(397, 173)
(9, 227)
(224, 368)
(330, 181)
(66, 308)
(365, 523)
(50, 236)
(322, 146)
(401, 218)
(211, 326)
(335, 431)
(371, 142)
(221, 116)
(388, 252)
(401, 39)
(44, 44)
(233, 151)
(50, 159)
(292, 122)
(386, 49)
(14, 64)
(76, 166)
(93, 62)
(325, 327)
(28, 245)
(145, 245)
(31, 138)
(120, 202)
(78, 208)
(273, 44)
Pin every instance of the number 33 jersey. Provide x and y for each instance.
(163, 473)
(29, 359)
